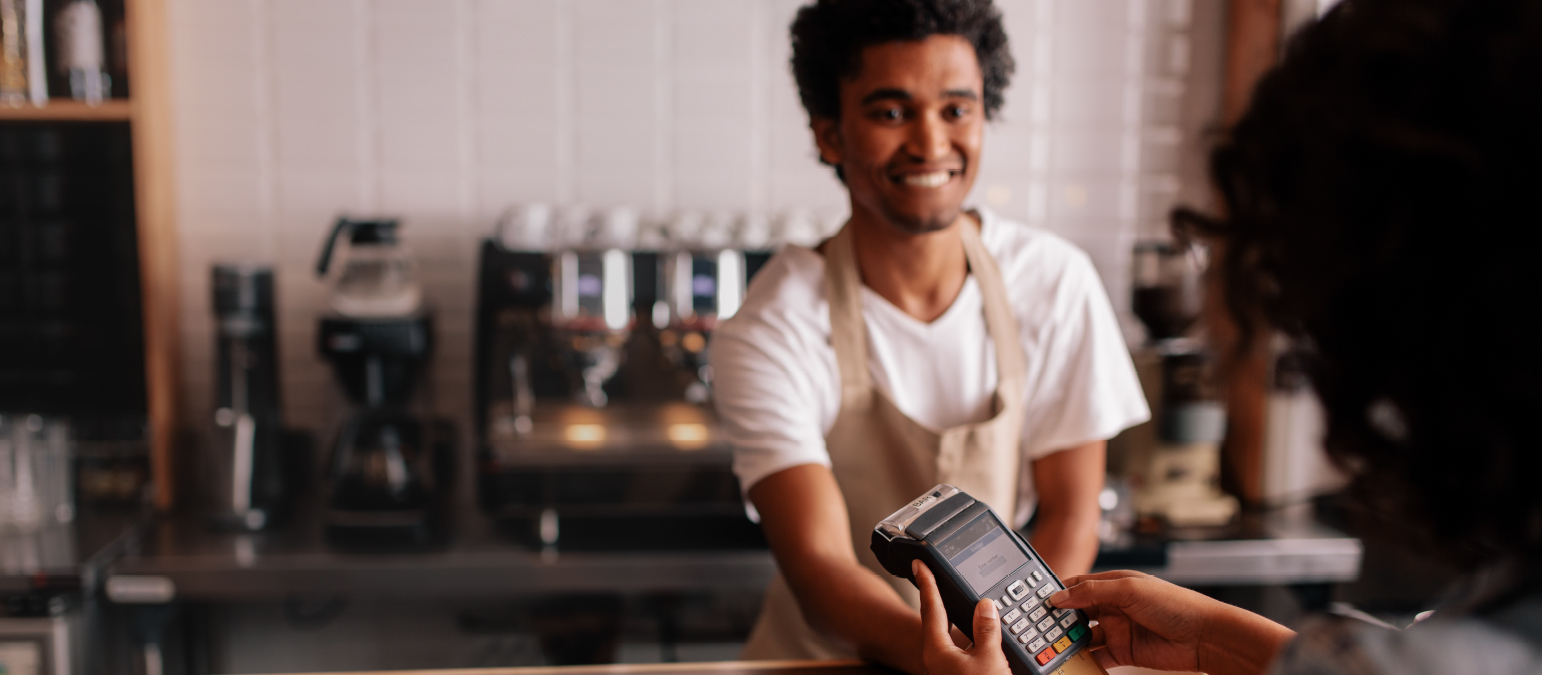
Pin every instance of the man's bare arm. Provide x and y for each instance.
(804, 517)
(1068, 483)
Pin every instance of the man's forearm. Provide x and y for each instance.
(1068, 541)
(852, 604)
(1068, 482)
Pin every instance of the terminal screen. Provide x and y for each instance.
(983, 554)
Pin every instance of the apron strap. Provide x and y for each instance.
(848, 329)
(1011, 365)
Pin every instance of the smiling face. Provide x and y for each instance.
(908, 140)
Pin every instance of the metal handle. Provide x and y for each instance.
(524, 396)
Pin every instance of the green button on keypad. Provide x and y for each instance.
(1076, 632)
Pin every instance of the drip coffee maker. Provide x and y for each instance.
(390, 465)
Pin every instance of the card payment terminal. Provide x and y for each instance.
(974, 556)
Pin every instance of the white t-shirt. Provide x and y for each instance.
(778, 388)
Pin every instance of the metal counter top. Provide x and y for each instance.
(66, 557)
(480, 560)
(182, 559)
(1275, 548)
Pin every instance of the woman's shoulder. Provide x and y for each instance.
(1344, 646)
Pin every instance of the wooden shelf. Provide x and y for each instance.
(115, 110)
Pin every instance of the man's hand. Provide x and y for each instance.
(1144, 621)
(804, 517)
(939, 654)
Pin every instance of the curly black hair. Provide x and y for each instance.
(1377, 196)
(828, 37)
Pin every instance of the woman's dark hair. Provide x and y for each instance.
(828, 37)
(1377, 197)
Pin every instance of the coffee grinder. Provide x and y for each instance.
(245, 470)
(390, 466)
(1178, 478)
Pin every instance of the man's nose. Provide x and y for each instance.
(928, 140)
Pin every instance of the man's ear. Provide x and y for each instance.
(827, 136)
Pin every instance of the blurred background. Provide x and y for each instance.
(446, 115)
(368, 334)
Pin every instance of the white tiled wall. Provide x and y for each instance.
(446, 112)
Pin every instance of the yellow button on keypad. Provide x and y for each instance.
(1062, 644)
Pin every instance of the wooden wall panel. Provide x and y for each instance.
(155, 204)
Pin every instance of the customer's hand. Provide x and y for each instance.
(1144, 621)
(939, 654)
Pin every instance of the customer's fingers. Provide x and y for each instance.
(1096, 593)
(1102, 576)
(934, 618)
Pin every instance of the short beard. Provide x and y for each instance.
(922, 225)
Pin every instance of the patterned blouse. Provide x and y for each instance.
(1491, 626)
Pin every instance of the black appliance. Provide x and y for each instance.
(245, 483)
(390, 466)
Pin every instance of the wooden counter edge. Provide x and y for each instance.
(624, 668)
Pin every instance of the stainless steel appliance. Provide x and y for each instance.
(570, 454)
(244, 483)
(704, 278)
(592, 284)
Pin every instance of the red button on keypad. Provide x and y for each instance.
(1046, 655)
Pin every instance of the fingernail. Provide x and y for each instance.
(1058, 597)
(988, 609)
(915, 567)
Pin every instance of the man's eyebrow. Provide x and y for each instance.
(887, 94)
(892, 94)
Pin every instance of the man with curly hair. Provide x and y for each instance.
(925, 343)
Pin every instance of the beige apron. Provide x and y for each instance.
(883, 459)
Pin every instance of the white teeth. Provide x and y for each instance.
(928, 180)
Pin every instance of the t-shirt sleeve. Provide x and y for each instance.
(1084, 387)
(767, 400)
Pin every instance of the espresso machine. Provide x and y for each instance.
(592, 419)
(390, 465)
(1177, 474)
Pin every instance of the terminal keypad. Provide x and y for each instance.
(1043, 630)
